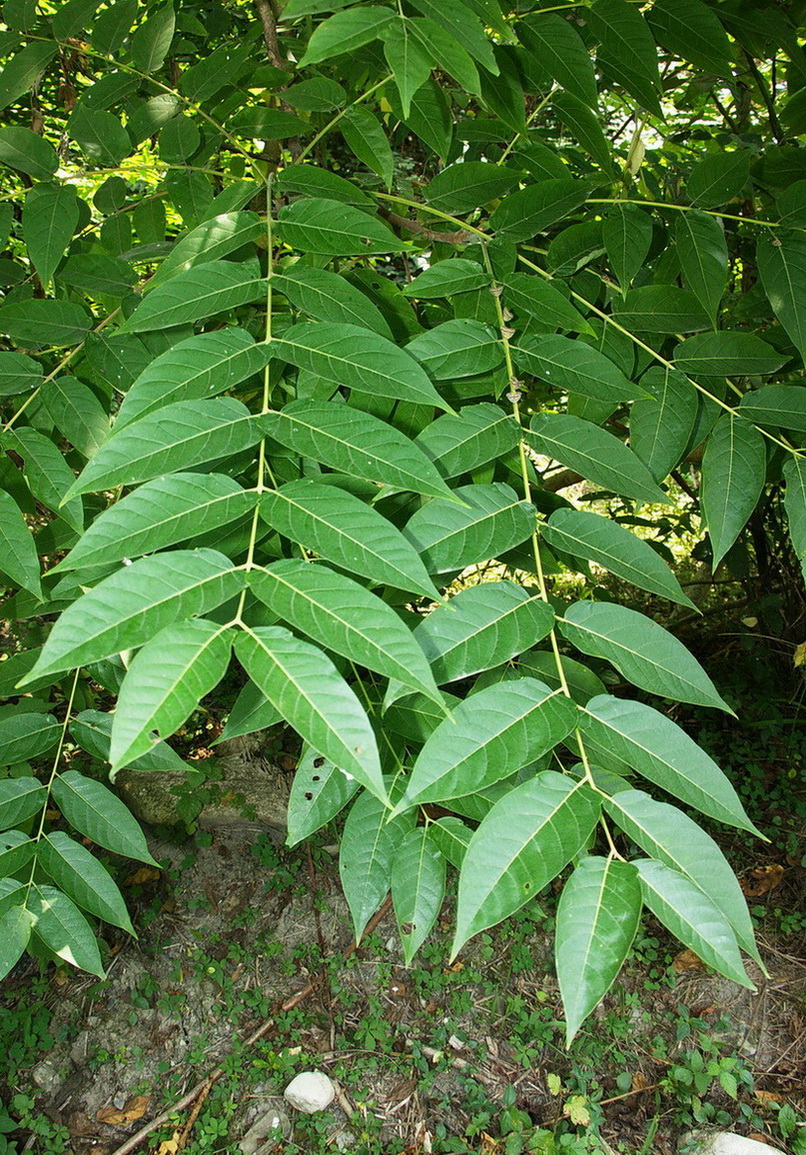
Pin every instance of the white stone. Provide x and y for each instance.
(727, 1143)
(310, 1091)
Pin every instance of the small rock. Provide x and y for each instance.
(271, 1123)
(345, 1139)
(725, 1143)
(310, 1091)
(46, 1076)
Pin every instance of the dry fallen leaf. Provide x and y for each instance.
(171, 1146)
(131, 1111)
(800, 654)
(767, 1097)
(688, 960)
(639, 1081)
(143, 875)
(762, 880)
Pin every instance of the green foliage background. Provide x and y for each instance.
(299, 307)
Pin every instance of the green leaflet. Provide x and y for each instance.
(164, 684)
(250, 712)
(194, 370)
(584, 125)
(96, 812)
(596, 454)
(460, 443)
(18, 374)
(538, 302)
(129, 607)
(727, 355)
(667, 834)
(62, 927)
(782, 406)
(341, 528)
(627, 50)
(643, 652)
(703, 253)
(560, 49)
(616, 549)
(458, 348)
(209, 241)
(19, 560)
(310, 694)
(450, 836)
(16, 925)
(92, 730)
(151, 41)
(522, 844)
(795, 499)
(481, 627)
(24, 69)
(177, 436)
(49, 220)
(369, 844)
(663, 754)
(661, 426)
(572, 366)
(718, 178)
(77, 414)
(782, 268)
(486, 738)
(163, 512)
(462, 24)
(447, 54)
(41, 324)
(447, 278)
(20, 799)
(692, 30)
(310, 181)
(81, 875)
(196, 294)
(660, 309)
(597, 919)
(418, 888)
(449, 536)
(693, 918)
(319, 792)
(469, 184)
(345, 32)
(342, 616)
(320, 225)
(357, 444)
(582, 683)
(627, 235)
(364, 134)
(357, 359)
(532, 209)
(23, 150)
(410, 60)
(734, 468)
(27, 736)
(329, 297)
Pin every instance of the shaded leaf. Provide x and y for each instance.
(63, 929)
(81, 875)
(734, 468)
(368, 847)
(319, 792)
(19, 560)
(418, 888)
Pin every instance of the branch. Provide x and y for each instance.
(458, 238)
(268, 18)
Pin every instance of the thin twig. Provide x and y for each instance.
(205, 1084)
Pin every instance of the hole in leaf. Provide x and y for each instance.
(308, 796)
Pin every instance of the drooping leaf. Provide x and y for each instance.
(616, 549)
(95, 811)
(196, 294)
(321, 225)
(584, 125)
(795, 501)
(46, 472)
(573, 367)
(447, 54)
(150, 43)
(24, 69)
(19, 560)
(665, 833)
(161, 513)
(541, 302)
(357, 444)
(693, 918)
(357, 359)
(165, 682)
(16, 925)
(487, 737)
(692, 30)
(703, 252)
(782, 268)
(597, 919)
(342, 616)
(627, 235)
(251, 711)
(522, 844)
(368, 847)
(418, 888)
(641, 650)
(664, 754)
(462, 23)
(344, 530)
(129, 607)
(661, 426)
(82, 877)
(314, 699)
(596, 454)
(561, 51)
(26, 152)
(365, 135)
(319, 792)
(409, 59)
(180, 435)
(49, 220)
(77, 414)
(449, 536)
(63, 928)
(734, 469)
(627, 50)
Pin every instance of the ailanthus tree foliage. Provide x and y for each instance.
(311, 308)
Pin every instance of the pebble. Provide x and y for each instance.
(727, 1143)
(310, 1091)
(271, 1122)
